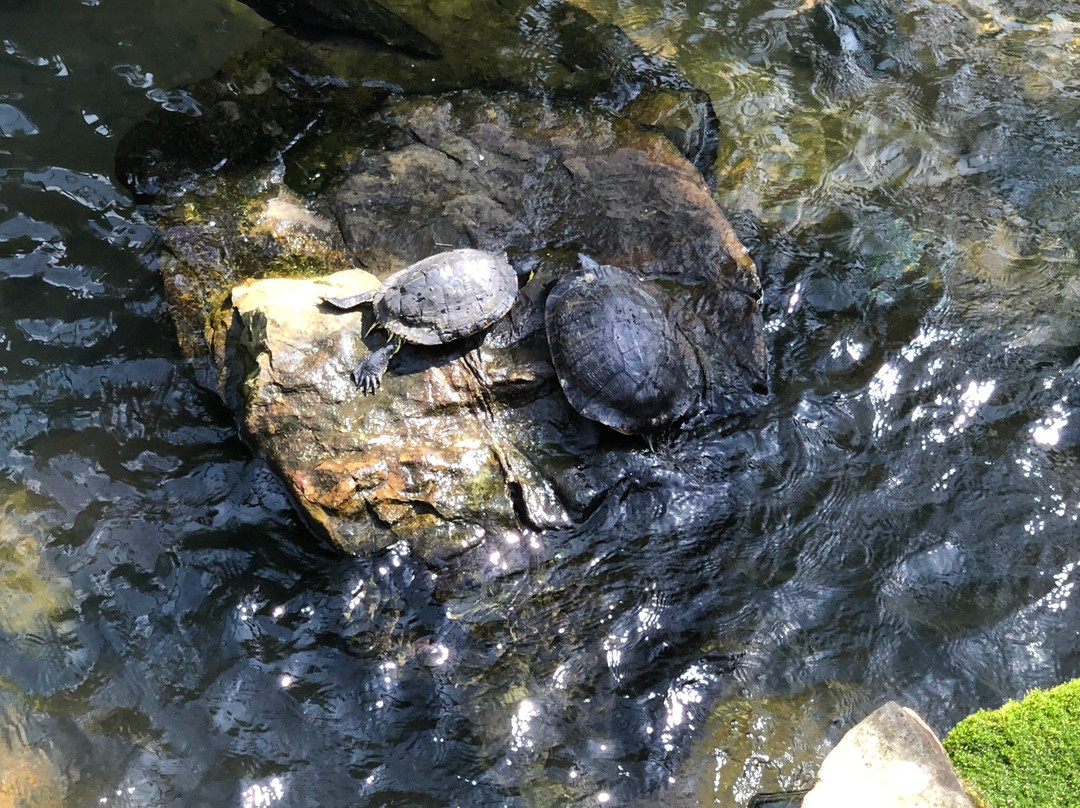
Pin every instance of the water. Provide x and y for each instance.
(900, 522)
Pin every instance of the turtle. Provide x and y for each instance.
(440, 299)
(619, 357)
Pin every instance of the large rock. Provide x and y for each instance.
(469, 439)
(473, 437)
(429, 464)
(890, 759)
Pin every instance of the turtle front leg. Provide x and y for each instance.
(369, 372)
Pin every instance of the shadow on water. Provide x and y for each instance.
(899, 522)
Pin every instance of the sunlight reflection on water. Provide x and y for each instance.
(900, 522)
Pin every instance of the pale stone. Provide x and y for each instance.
(891, 759)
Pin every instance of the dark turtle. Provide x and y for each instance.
(440, 299)
(619, 357)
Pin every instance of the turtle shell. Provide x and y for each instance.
(446, 296)
(619, 358)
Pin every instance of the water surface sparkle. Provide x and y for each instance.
(901, 522)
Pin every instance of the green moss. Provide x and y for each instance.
(1025, 754)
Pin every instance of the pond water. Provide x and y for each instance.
(901, 521)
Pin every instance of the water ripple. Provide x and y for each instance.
(899, 521)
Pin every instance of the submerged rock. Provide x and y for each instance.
(28, 777)
(461, 440)
(551, 46)
(300, 99)
(35, 593)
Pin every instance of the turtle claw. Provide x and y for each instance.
(369, 372)
(366, 377)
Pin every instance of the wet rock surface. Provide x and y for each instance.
(473, 438)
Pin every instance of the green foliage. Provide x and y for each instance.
(1025, 754)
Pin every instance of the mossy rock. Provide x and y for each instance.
(1024, 754)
